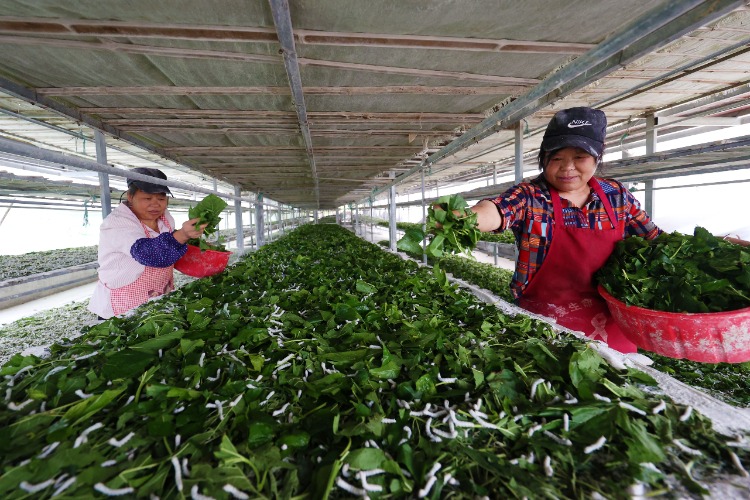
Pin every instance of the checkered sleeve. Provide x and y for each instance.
(512, 204)
(637, 221)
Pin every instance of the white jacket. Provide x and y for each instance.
(117, 268)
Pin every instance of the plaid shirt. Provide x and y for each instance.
(526, 209)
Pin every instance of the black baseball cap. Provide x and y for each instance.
(581, 127)
(148, 187)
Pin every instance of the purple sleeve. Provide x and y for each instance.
(162, 251)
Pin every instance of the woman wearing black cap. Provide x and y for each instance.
(569, 221)
(138, 248)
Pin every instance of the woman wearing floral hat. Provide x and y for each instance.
(138, 248)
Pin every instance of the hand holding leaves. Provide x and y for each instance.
(207, 211)
(451, 225)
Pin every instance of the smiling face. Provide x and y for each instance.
(568, 170)
(148, 207)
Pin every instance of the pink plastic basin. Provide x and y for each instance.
(201, 264)
(707, 337)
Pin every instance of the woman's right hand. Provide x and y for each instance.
(189, 231)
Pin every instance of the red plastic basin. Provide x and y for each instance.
(722, 337)
(201, 264)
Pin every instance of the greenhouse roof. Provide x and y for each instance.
(320, 104)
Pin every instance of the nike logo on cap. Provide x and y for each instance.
(578, 123)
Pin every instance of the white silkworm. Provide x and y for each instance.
(82, 438)
(78, 358)
(16, 407)
(367, 486)
(114, 442)
(632, 408)
(427, 487)
(687, 414)
(482, 422)
(602, 398)
(738, 464)
(177, 473)
(54, 370)
(285, 359)
(350, 488)
(534, 385)
(35, 488)
(281, 410)
(459, 423)
(534, 428)
(82, 394)
(47, 450)
(108, 463)
(64, 486)
(548, 466)
(687, 449)
(449, 380)
(200, 361)
(102, 488)
(592, 448)
(236, 493)
(566, 422)
(557, 439)
(388, 420)
(659, 408)
(270, 394)
(428, 431)
(282, 366)
(195, 494)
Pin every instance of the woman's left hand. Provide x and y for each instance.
(189, 231)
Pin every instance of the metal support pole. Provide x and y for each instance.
(218, 228)
(337, 216)
(650, 149)
(519, 152)
(372, 224)
(424, 222)
(259, 221)
(494, 174)
(238, 219)
(315, 216)
(101, 157)
(392, 218)
(267, 214)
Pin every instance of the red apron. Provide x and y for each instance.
(153, 282)
(564, 289)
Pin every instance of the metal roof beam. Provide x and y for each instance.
(23, 149)
(652, 30)
(282, 18)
